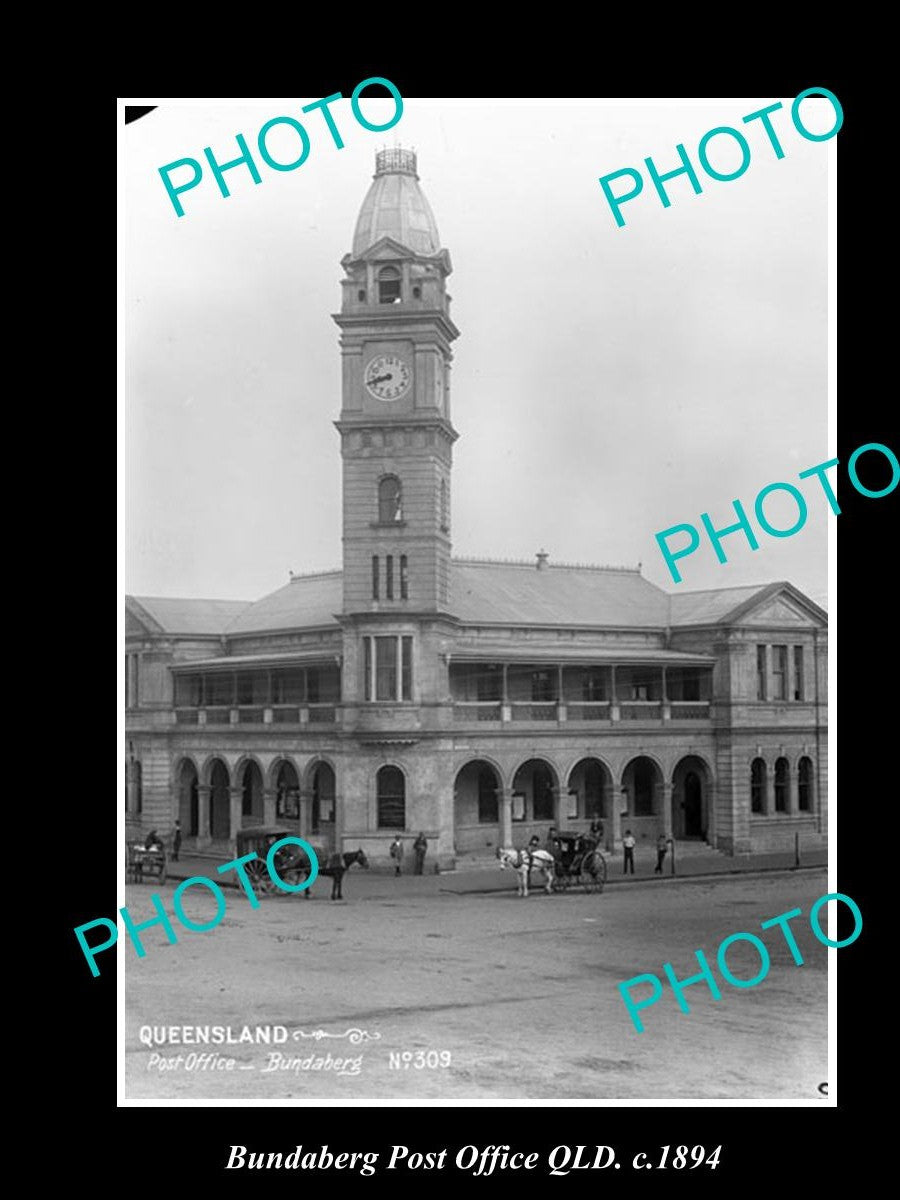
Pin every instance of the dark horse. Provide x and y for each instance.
(336, 865)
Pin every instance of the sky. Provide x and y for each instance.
(608, 382)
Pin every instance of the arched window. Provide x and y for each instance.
(391, 798)
(758, 786)
(805, 785)
(390, 500)
(782, 771)
(388, 285)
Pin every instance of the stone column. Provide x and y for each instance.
(203, 836)
(236, 800)
(557, 807)
(620, 805)
(269, 797)
(668, 813)
(305, 812)
(505, 795)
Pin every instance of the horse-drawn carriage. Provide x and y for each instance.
(144, 861)
(578, 862)
(291, 863)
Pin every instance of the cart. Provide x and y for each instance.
(291, 864)
(577, 863)
(143, 862)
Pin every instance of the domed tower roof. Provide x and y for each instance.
(395, 207)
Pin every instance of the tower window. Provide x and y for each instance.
(374, 576)
(361, 295)
(404, 577)
(389, 577)
(388, 285)
(390, 500)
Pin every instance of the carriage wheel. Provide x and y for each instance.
(259, 878)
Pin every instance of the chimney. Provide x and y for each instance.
(542, 557)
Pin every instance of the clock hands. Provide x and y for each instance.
(378, 379)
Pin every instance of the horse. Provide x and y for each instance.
(523, 861)
(336, 865)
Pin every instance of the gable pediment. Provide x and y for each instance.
(786, 609)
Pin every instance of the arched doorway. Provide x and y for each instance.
(476, 807)
(642, 781)
(690, 798)
(534, 795)
(188, 799)
(323, 794)
(252, 796)
(219, 802)
(590, 792)
(287, 793)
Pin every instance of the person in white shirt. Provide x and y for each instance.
(628, 844)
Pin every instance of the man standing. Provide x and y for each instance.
(628, 844)
(397, 854)
(176, 842)
(661, 850)
(420, 845)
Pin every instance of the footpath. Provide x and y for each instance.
(378, 883)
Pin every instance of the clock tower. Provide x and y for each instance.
(396, 435)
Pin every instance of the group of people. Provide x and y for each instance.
(420, 849)
(628, 844)
(154, 842)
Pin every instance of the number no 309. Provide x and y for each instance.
(418, 1060)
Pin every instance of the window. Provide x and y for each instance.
(417, 292)
(390, 500)
(313, 691)
(385, 665)
(367, 656)
(488, 806)
(406, 672)
(542, 689)
(758, 786)
(404, 577)
(361, 296)
(391, 798)
(374, 576)
(389, 577)
(805, 785)
(779, 672)
(385, 668)
(640, 691)
(798, 673)
(782, 772)
(761, 693)
(388, 285)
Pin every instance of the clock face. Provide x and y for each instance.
(387, 377)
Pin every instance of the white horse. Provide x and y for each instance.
(523, 861)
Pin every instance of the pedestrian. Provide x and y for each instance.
(420, 845)
(597, 831)
(153, 840)
(176, 841)
(397, 854)
(552, 836)
(628, 845)
(662, 847)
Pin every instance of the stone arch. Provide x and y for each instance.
(284, 783)
(219, 783)
(249, 776)
(643, 787)
(477, 792)
(692, 783)
(187, 791)
(535, 792)
(591, 791)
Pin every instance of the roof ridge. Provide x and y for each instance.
(530, 563)
(295, 575)
(732, 587)
(189, 599)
